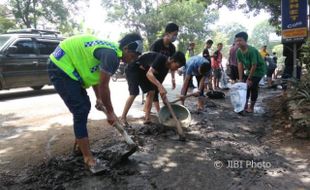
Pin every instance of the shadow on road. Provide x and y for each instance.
(24, 94)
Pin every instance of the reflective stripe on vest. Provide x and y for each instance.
(75, 56)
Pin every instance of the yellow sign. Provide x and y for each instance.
(295, 33)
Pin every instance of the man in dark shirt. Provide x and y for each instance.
(148, 72)
(206, 53)
(165, 46)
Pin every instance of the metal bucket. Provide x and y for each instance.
(181, 112)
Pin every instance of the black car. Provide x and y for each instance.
(23, 57)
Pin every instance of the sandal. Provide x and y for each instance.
(98, 167)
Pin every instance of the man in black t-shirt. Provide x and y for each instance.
(165, 46)
(206, 53)
(148, 72)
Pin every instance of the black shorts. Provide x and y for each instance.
(270, 71)
(234, 72)
(136, 78)
(217, 73)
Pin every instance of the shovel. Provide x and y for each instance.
(179, 99)
(118, 125)
(178, 123)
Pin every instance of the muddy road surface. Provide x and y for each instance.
(223, 150)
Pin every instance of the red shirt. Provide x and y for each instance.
(216, 60)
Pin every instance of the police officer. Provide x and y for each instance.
(83, 61)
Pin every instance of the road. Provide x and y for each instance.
(223, 150)
(38, 117)
(39, 109)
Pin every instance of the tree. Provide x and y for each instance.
(220, 37)
(5, 22)
(32, 13)
(231, 30)
(226, 35)
(271, 6)
(260, 34)
(278, 49)
(150, 19)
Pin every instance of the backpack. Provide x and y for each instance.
(216, 94)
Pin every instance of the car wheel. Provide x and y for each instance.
(37, 87)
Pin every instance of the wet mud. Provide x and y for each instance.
(223, 150)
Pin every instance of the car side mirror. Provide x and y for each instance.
(11, 49)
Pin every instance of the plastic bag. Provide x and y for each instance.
(228, 71)
(238, 96)
(224, 81)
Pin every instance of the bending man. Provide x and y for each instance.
(83, 61)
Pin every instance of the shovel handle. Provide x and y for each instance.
(178, 124)
(122, 131)
(179, 99)
(118, 125)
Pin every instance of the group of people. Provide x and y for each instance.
(271, 63)
(84, 61)
(214, 59)
(245, 63)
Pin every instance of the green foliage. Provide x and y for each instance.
(279, 52)
(305, 59)
(260, 34)
(5, 22)
(271, 6)
(226, 35)
(150, 19)
(302, 90)
(304, 95)
(34, 13)
(220, 37)
(231, 30)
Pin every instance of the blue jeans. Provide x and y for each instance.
(74, 96)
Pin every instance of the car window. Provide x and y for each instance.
(3, 40)
(25, 47)
(47, 47)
